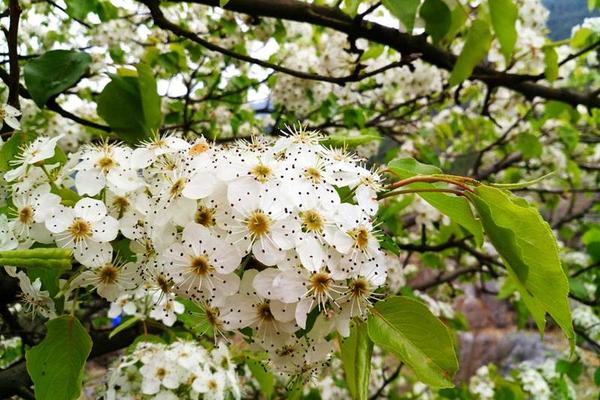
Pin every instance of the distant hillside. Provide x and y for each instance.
(564, 14)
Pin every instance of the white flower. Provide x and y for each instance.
(42, 148)
(110, 278)
(32, 208)
(86, 228)
(36, 301)
(9, 115)
(263, 225)
(105, 166)
(202, 266)
(8, 241)
(157, 373)
(272, 319)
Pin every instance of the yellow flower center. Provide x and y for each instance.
(177, 187)
(205, 216)
(359, 288)
(108, 274)
(261, 173)
(258, 224)
(26, 215)
(313, 174)
(201, 266)
(106, 163)
(80, 229)
(320, 282)
(312, 221)
(361, 238)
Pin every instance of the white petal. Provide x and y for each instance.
(89, 182)
(105, 230)
(60, 219)
(263, 283)
(200, 186)
(90, 209)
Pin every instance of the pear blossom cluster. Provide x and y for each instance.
(277, 236)
(180, 370)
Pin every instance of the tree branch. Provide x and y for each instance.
(404, 43)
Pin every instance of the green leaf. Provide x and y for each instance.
(521, 185)
(349, 141)
(80, 8)
(476, 47)
(504, 15)
(128, 323)
(406, 327)
(529, 145)
(569, 136)
(195, 318)
(57, 363)
(437, 17)
(404, 10)
(263, 376)
(37, 258)
(551, 63)
(53, 72)
(458, 18)
(150, 97)
(356, 351)
(527, 245)
(223, 3)
(597, 376)
(580, 37)
(11, 148)
(456, 208)
(130, 104)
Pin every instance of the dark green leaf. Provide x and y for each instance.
(504, 15)
(476, 47)
(404, 10)
(408, 329)
(356, 351)
(54, 72)
(130, 105)
(57, 363)
(437, 18)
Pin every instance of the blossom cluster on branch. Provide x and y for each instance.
(263, 234)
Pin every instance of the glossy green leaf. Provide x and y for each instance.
(57, 363)
(404, 10)
(406, 328)
(437, 17)
(356, 351)
(504, 15)
(223, 3)
(475, 49)
(128, 323)
(263, 376)
(551, 63)
(53, 72)
(11, 148)
(527, 245)
(456, 208)
(130, 105)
